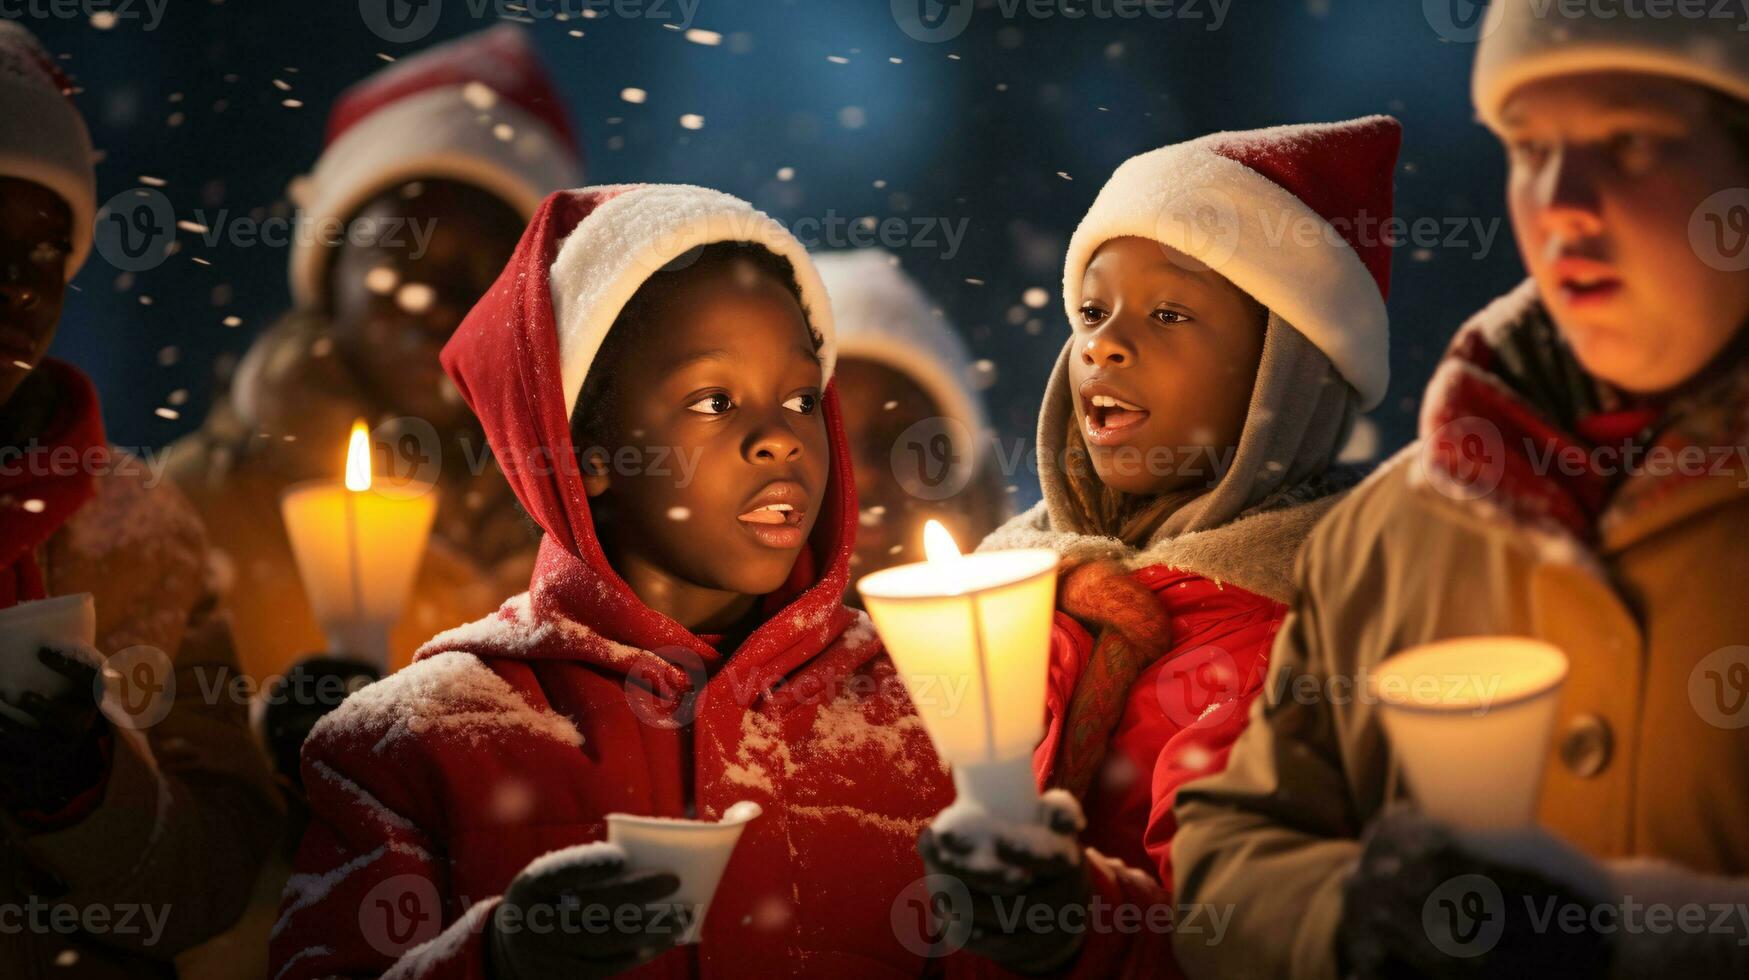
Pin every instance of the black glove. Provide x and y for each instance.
(983, 909)
(51, 743)
(582, 918)
(313, 687)
(1427, 901)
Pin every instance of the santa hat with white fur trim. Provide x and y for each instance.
(1527, 41)
(883, 316)
(479, 110)
(43, 138)
(629, 232)
(1296, 216)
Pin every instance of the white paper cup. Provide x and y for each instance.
(1470, 719)
(696, 851)
(27, 627)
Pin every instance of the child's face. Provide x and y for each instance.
(1177, 346)
(1607, 173)
(879, 404)
(716, 461)
(422, 254)
(36, 231)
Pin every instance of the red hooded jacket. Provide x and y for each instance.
(516, 735)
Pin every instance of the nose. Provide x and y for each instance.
(1568, 196)
(773, 441)
(1107, 347)
(16, 296)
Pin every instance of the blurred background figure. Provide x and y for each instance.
(160, 801)
(919, 436)
(430, 170)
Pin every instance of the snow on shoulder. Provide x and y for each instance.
(450, 695)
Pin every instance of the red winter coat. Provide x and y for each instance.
(517, 735)
(1220, 596)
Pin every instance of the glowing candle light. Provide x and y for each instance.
(978, 625)
(357, 551)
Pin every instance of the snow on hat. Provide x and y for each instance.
(1296, 216)
(625, 233)
(478, 110)
(1527, 40)
(883, 316)
(42, 136)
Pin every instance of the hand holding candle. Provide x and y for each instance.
(980, 622)
(357, 550)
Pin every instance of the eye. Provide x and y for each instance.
(1633, 153)
(1091, 315)
(1529, 152)
(715, 403)
(803, 404)
(1170, 316)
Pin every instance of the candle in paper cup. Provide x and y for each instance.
(1470, 719)
(27, 627)
(978, 624)
(357, 550)
(696, 851)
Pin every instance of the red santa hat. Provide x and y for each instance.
(1527, 41)
(883, 316)
(1296, 216)
(479, 110)
(43, 138)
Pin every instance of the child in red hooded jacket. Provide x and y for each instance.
(653, 372)
(1227, 303)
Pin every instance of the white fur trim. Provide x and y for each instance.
(630, 237)
(1260, 242)
(435, 134)
(43, 138)
(1530, 40)
(883, 316)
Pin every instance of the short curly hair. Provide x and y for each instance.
(597, 402)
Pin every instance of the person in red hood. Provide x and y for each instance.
(683, 646)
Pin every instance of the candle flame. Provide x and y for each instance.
(358, 459)
(938, 544)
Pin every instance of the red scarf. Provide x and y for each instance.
(43, 483)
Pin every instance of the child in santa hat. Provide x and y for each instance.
(1579, 479)
(654, 369)
(919, 441)
(154, 802)
(431, 169)
(1227, 301)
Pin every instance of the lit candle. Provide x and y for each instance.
(970, 636)
(357, 550)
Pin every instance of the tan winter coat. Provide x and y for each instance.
(286, 421)
(1650, 753)
(169, 855)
